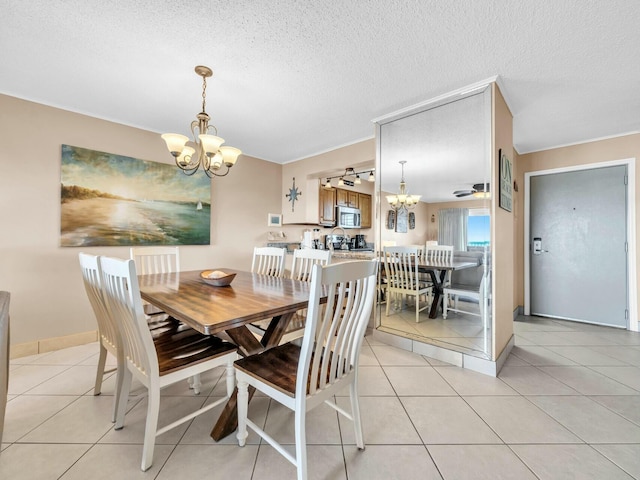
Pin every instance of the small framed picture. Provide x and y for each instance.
(274, 220)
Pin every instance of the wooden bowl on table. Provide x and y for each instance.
(217, 278)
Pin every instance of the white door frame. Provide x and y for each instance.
(632, 321)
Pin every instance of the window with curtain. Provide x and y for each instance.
(478, 228)
(452, 227)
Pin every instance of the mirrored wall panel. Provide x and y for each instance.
(434, 238)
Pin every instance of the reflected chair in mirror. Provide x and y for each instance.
(304, 377)
(439, 254)
(420, 249)
(268, 261)
(403, 277)
(5, 298)
(108, 334)
(157, 363)
(475, 293)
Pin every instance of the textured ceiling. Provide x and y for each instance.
(294, 78)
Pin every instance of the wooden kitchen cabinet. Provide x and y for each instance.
(327, 207)
(346, 198)
(364, 204)
(329, 199)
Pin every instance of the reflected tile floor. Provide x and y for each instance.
(565, 406)
(460, 331)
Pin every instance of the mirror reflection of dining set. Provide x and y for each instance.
(420, 277)
(295, 338)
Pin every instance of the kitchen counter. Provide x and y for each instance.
(352, 255)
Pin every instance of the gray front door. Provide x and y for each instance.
(577, 251)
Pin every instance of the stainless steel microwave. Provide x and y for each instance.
(348, 217)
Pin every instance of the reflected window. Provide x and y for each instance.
(478, 228)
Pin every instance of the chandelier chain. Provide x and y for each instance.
(204, 93)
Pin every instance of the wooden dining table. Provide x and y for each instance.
(438, 270)
(212, 310)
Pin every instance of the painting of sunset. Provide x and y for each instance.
(113, 200)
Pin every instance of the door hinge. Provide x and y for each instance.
(626, 179)
(626, 247)
(626, 314)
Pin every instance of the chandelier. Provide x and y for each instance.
(208, 152)
(350, 172)
(402, 200)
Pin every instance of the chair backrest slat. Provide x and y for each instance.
(305, 259)
(401, 266)
(268, 261)
(122, 296)
(334, 332)
(439, 253)
(151, 260)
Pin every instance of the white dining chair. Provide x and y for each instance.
(305, 259)
(403, 277)
(303, 377)
(268, 261)
(159, 259)
(156, 364)
(301, 269)
(477, 293)
(419, 247)
(439, 254)
(155, 259)
(108, 335)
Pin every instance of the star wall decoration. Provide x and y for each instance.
(293, 194)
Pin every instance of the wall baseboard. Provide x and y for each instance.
(51, 344)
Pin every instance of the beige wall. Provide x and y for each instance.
(48, 299)
(503, 226)
(618, 148)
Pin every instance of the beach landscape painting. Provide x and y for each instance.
(114, 200)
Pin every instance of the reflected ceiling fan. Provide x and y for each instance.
(479, 190)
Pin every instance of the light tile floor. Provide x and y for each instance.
(565, 406)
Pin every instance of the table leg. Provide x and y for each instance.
(437, 291)
(228, 421)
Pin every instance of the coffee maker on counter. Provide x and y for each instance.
(337, 242)
(358, 242)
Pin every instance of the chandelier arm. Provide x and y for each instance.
(211, 173)
(186, 169)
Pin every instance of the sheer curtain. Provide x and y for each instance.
(452, 227)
